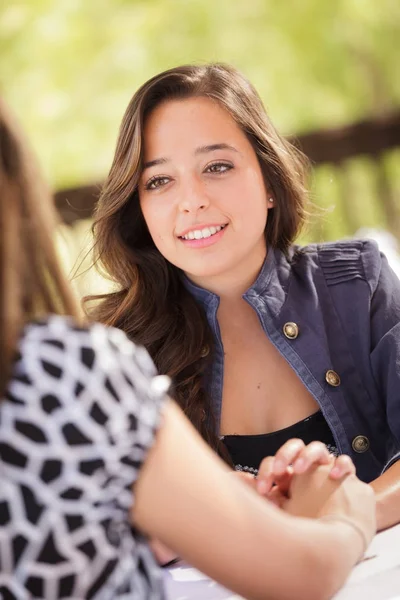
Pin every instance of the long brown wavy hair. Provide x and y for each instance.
(31, 281)
(150, 302)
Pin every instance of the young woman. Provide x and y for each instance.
(264, 341)
(80, 461)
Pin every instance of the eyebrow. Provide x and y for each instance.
(199, 150)
(212, 147)
(154, 163)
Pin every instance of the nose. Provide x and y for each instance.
(193, 197)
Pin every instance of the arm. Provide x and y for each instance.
(190, 501)
(387, 493)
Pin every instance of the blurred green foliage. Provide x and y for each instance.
(69, 68)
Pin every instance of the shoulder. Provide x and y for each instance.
(57, 352)
(85, 343)
(340, 261)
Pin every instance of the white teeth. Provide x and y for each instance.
(198, 234)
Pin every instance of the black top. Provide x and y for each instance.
(247, 451)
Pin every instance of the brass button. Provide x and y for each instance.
(205, 351)
(332, 378)
(291, 330)
(360, 444)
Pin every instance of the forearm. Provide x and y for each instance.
(340, 547)
(387, 493)
(191, 502)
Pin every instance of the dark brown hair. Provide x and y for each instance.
(150, 302)
(31, 281)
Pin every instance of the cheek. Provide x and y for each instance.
(249, 199)
(150, 216)
(157, 221)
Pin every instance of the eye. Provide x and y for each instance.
(218, 167)
(156, 182)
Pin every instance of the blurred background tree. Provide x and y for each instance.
(68, 68)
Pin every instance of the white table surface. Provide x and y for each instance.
(376, 578)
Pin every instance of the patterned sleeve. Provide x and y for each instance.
(109, 392)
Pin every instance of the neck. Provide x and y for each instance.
(231, 286)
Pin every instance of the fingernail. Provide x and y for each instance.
(278, 466)
(262, 487)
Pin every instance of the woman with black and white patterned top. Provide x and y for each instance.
(84, 476)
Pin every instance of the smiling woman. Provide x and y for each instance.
(261, 338)
(196, 151)
(203, 196)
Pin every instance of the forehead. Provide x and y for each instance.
(190, 122)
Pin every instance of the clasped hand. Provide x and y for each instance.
(284, 479)
(277, 473)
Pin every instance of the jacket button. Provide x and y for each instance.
(360, 444)
(332, 378)
(205, 351)
(291, 330)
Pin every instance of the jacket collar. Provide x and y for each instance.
(270, 285)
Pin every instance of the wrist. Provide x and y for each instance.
(351, 525)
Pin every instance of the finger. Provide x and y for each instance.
(314, 454)
(265, 478)
(343, 466)
(283, 482)
(286, 455)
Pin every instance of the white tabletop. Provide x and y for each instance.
(377, 577)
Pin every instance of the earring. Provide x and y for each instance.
(271, 200)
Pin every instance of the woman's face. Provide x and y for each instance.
(202, 192)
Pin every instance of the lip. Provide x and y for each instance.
(204, 242)
(200, 226)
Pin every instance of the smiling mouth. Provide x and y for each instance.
(200, 234)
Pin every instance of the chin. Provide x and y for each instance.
(206, 271)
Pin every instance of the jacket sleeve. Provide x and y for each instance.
(385, 336)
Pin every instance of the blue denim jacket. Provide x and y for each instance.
(345, 301)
